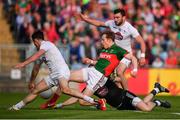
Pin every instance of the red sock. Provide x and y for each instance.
(54, 98)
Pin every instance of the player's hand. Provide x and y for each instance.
(83, 16)
(19, 65)
(142, 61)
(86, 61)
(31, 86)
(133, 73)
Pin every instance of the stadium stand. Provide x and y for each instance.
(8, 55)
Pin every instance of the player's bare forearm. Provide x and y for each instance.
(92, 21)
(142, 60)
(30, 59)
(34, 57)
(140, 40)
(35, 72)
(89, 61)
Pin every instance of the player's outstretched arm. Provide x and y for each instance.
(140, 40)
(30, 59)
(34, 73)
(92, 21)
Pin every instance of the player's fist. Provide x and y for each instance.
(83, 16)
(31, 86)
(87, 61)
(18, 66)
(142, 61)
(134, 73)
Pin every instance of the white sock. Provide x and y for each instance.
(157, 90)
(20, 105)
(59, 105)
(88, 99)
(158, 103)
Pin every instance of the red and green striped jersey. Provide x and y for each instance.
(109, 59)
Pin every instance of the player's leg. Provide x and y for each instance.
(158, 88)
(145, 106)
(52, 101)
(87, 92)
(141, 105)
(77, 76)
(63, 84)
(41, 86)
(68, 102)
(120, 71)
(74, 76)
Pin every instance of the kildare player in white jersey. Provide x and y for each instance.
(124, 32)
(59, 72)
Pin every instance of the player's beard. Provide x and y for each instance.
(120, 23)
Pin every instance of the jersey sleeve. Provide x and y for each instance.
(108, 23)
(45, 46)
(122, 53)
(133, 31)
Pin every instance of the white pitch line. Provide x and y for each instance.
(176, 113)
(140, 111)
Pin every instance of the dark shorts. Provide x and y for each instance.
(116, 97)
(126, 103)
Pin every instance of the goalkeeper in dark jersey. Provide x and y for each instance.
(125, 100)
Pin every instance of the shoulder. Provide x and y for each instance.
(129, 25)
(119, 49)
(46, 45)
(109, 22)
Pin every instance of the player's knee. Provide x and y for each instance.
(146, 109)
(66, 90)
(35, 91)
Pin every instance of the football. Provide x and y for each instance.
(46, 94)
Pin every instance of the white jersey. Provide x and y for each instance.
(53, 59)
(123, 34)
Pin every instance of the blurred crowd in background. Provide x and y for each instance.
(158, 21)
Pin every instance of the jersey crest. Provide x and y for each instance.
(118, 36)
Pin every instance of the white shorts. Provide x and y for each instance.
(53, 78)
(93, 78)
(135, 101)
(126, 61)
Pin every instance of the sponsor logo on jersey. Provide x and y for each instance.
(105, 55)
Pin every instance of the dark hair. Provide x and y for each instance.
(109, 34)
(38, 35)
(121, 11)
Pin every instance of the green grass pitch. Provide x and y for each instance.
(76, 111)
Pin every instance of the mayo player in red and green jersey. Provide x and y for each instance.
(96, 76)
(109, 59)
